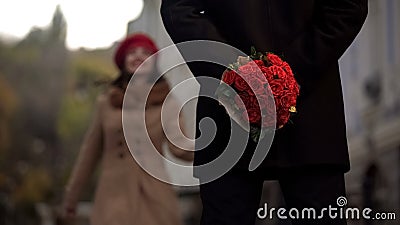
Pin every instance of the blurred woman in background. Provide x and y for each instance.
(125, 193)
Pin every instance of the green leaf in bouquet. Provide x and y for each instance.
(233, 66)
(253, 53)
(256, 55)
(255, 133)
(265, 60)
(290, 121)
(259, 55)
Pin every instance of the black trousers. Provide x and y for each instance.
(234, 198)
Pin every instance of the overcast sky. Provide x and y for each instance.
(91, 23)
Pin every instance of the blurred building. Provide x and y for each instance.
(371, 84)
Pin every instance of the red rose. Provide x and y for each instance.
(264, 104)
(296, 86)
(267, 73)
(240, 84)
(292, 85)
(255, 68)
(282, 73)
(265, 70)
(288, 100)
(245, 98)
(274, 59)
(287, 68)
(229, 77)
(267, 89)
(277, 87)
(297, 89)
(268, 121)
(256, 86)
(278, 103)
(259, 63)
(267, 104)
(250, 101)
(282, 118)
(278, 72)
(246, 69)
(250, 107)
(252, 115)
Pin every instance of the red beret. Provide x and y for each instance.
(135, 40)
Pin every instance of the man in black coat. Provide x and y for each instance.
(309, 156)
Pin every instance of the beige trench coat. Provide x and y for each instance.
(125, 193)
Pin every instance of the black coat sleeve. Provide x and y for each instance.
(335, 25)
(184, 21)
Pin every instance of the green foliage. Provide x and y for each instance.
(8, 99)
(47, 95)
(73, 117)
(91, 66)
(255, 55)
(8, 107)
(86, 69)
(34, 186)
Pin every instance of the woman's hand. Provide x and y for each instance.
(68, 211)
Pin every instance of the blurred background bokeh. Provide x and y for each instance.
(52, 69)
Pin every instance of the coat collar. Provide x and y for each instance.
(138, 94)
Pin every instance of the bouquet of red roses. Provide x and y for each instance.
(259, 90)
